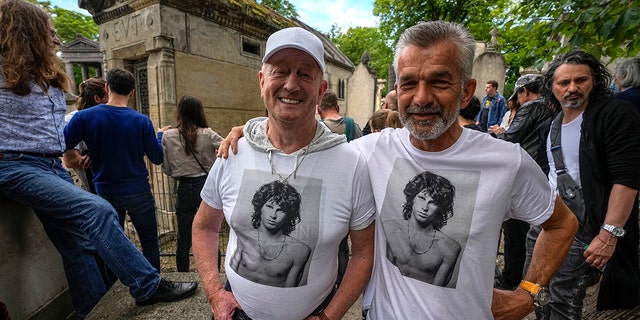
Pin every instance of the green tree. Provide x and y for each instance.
(69, 23)
(605, 28)
(480, 16)
(283, 7)
(356, 40)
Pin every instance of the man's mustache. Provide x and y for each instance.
(429, 108)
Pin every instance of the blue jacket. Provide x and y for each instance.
(631, 95)
(496, 111)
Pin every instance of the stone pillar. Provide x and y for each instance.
(69, 69)
(161, 69)
(85, 71)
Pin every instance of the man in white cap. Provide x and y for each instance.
(332, 198)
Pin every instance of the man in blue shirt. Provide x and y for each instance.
(118, 138)
(494, 106)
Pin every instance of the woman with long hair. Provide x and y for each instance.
(78, 223)
(189, 152)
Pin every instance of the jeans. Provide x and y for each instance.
(187, 203)
(78, 224)
(141, 208)
(568, 285)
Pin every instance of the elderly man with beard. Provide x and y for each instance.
(494, 181)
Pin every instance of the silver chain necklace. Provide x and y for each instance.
(264, 251)
(414, 243)
(299, 160)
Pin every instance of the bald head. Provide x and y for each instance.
(391, 101)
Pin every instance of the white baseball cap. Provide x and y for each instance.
(296, 38)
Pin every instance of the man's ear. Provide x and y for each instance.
(323, 89)
(469, 89)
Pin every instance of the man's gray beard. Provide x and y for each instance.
(438, 126)
(575, 104)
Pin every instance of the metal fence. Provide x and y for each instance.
(163, 188)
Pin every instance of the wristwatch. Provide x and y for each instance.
(614, 230)
(540, 294)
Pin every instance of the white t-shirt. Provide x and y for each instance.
(493, 179)
(505, 120)
(336, 196)
(570, 142)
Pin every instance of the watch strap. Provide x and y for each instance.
(616, 231)
(532, 288)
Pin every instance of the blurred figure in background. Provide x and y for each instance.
(91, 92)
(384, 118)
(627, 77)
(467, 116)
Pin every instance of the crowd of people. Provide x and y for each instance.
(407, 212)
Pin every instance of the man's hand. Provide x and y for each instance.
(165, 128)
(511, 305)
(85, 161)
(230, 141)
(223, 305)
(496, 129)
(600, 250)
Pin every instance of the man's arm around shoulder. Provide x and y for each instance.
(551, 248)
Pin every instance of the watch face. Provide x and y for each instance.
(619, 232)
(543, 297)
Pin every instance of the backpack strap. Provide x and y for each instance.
(348, 131)
(556, 148)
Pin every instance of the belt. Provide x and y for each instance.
(33, 154)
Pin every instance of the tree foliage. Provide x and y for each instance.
(480, 16)
(605, 28)
(356, 40)
(283, 7)
(69, 23)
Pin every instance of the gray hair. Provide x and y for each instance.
(427, 34)
(628, 73)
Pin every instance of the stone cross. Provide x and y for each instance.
(493, 43)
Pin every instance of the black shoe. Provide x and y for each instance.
(170, 291)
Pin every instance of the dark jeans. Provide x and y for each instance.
(568, 285)
(240, 315)
(515, 252)
(141, 208)
(187, 203)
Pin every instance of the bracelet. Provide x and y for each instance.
(322, 315)
(605, 242)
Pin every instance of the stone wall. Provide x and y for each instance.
(489, 65)
(32, 281)
(362, 89)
